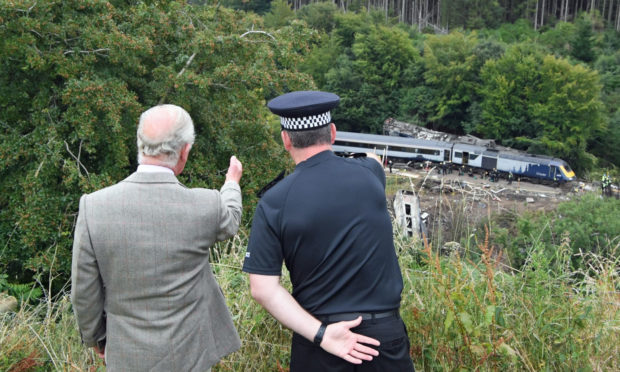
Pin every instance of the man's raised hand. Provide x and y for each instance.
(235, 170)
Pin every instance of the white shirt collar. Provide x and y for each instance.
(149, 168)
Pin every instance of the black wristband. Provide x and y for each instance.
(319, 334)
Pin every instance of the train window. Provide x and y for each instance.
(458, 154)
(393, 148)
(402, 149)
(472, 156)
(357, 144)
(429, 152)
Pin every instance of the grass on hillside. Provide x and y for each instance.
(464, 312)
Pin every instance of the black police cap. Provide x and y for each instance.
(303, 110)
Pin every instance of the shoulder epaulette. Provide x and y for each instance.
(271, 184)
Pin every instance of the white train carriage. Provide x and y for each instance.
(410, 150)
(468, 155)
(402, 148)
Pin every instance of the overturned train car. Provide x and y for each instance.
(538, 168)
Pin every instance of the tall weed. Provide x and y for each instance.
(463, 313)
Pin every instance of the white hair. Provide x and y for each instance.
(168, 146)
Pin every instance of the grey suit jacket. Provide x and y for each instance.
(141, 277)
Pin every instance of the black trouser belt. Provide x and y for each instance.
(350, 316)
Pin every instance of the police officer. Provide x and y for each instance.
(604, 184)
(608, 183)
(328, 221)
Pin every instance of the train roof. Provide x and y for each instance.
(398, 141)
(390, 140)
(540, 159)
(469, 148)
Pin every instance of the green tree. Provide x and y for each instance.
(583, 40)
(279, 14)
(450, 71)
(558, 39)
(382, 55)
(525, 96)
(470, 14)
(370, 80)
(320, 16)
(513, 32)
(348, 25)
(74, 77)
(606, 142)
(323, 57)
(257, 6)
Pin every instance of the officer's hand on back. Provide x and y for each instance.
(340, 341)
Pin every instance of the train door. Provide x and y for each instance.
(446, 155)
(553, 172)
(465, 158)
(489, 163)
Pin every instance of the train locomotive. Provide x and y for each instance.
(476, 158)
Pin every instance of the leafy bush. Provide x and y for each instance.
(586, 224)
(74, 78)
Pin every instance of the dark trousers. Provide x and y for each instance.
(393, 351)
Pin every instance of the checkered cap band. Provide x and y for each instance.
(306, 122)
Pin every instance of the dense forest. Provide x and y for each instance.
(444, 15)
(550, 90)
(74, 76)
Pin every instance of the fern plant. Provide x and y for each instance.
(22, 292)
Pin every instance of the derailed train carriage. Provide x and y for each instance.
(537, 168)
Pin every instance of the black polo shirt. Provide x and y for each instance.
(328, 221)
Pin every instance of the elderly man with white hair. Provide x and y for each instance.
(143, 291)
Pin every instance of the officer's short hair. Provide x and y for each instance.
(307, 138)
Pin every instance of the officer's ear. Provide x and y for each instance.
(286, 140)
(332, 127)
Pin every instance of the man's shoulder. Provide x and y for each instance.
(279, 189)
(104, 192)
(135, 179)
(365, 162)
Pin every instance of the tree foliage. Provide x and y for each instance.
(74, 77)
(474, 14)
(542, 96)
(279, 14)
(540, 102)
(450, 71)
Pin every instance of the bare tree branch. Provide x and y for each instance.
(27, 11)
(95, 51)
(36, 33)
(77, 158)
(189, 61)
(258, 32)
